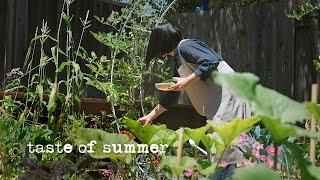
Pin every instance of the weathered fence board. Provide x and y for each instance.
(3, 9)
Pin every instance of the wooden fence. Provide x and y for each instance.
(260, 39)
(255, 38)
(20, 18)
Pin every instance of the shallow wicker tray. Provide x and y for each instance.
(164, 86)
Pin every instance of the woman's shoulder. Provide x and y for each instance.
(195, 47)
(189, 43)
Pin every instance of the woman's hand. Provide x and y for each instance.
(144, 120)
(152, 115)
(183, 83)
(180, 85)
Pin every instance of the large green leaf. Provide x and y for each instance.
(195, 134)
(84, 136)
(213, 142)
(206, 167)
(276, 105)
(151, 134)
(263, 101)
(230, 130)
(259, 172)
(314, 110)
(177, 167)
(308, 172)
(314, 171)
(241, 85)
(281, 131)
(165, 136)
(278, 130)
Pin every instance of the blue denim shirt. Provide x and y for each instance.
(197, 52)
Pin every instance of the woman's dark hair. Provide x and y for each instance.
(164, 38)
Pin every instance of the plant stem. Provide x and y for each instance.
(83, 29)
(165, 12)
(30, 65)
(58, 43)
(111, 83)
(116, 51)
(220, 158)
(275, 156)
(180, 148)
(287, 165)
(141, 95)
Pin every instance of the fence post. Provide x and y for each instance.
(313, 145)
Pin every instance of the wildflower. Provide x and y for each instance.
(243, 138)
(278, 166)
(269, 162)
(280, 151)
(246, 163)
(223, 164)
(271, 149)
(263, 158)
(106, 172)
(242, 145)
(14, 72)
(188, 172)
(256, 153)
(257, 145)
(243, 141)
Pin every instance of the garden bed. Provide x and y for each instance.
(94, 106)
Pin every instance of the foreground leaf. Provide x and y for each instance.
(151, 134)
(206, 167)
(84, 136)
(314, 110)
(281, 131)
(172, 163)
(314, 171)
(260, 172)
(263, 101)
(195, 134)
(230, 130)
(307, 171)
(213, 142)
(241, 85)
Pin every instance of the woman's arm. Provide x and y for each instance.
(199, 53)
(184, 83)
(152, 115)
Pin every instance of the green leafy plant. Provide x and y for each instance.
(121, 74)
(304, 9)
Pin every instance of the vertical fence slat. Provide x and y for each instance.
(3, 21)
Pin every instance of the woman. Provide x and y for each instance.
(194, 63)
